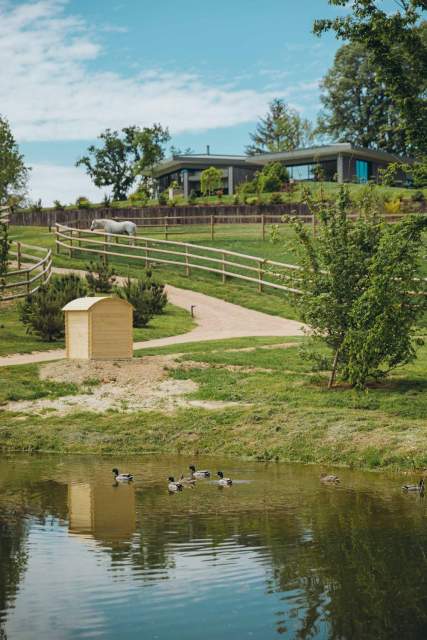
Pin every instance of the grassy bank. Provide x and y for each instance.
(330, 188)
(14, 339)
(282, 411)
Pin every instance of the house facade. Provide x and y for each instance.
(341, 162)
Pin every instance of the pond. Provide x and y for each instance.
(278, 554)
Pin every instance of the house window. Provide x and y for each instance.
(362, 171)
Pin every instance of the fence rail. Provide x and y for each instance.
(25, 279)
(188, 256)
(173, 225)
(5, 215)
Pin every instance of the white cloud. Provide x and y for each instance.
(52, 182)
(49, 91)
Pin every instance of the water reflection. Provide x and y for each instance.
(282, 555)
(105, 512)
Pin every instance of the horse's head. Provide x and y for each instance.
(94, 225)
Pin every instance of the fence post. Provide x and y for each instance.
(57, 247)
(224, 277)
(71, 244)
(263, 225)
(260, 275)
(18, 254)
(147, 262)
(212, 227)
(166, 227)
(187, 266)
(28, 283)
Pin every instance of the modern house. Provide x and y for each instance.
(185, 170)
(342, 162)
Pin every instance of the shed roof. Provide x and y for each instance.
(84, 304)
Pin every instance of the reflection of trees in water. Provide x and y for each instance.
(13, 559)
(41, 500)
(348, 565)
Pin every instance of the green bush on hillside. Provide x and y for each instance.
(41, 312)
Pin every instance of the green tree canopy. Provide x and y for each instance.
(397, 49)
(273, 177)
(112, 163)
(282, 129)
(13, 172)
(211, 180)
(150, 143)
(356, 106)
(362, 293)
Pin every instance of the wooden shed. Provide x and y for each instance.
(98, 329)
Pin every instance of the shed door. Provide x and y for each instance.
(77, 335)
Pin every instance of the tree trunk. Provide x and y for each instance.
(334, 368)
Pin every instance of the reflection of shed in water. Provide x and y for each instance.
(105, 512)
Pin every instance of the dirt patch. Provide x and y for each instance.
(137, 385)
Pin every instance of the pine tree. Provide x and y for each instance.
(282, 129)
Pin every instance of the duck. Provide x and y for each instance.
(224, 482)
(174, 486)
(191, 482)
(329, 478)
(415, 487)
(122, 477)
(198, 474)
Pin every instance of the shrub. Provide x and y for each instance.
(251, 200)
(147, 296)
(58, 205)
(42, 312)
(236, 199)
(135, 292)
(163, 198)
(82, 202)
(273, 177)
(100, 277)
(158, 295)
(276, 198)
(418, 196)
(393, 206)
(192, 198)
(248, 187)
(138, 197)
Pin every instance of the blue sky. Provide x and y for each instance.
(207, 70)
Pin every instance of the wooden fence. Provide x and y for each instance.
(5, 215)
(26, 278)
(189, 257)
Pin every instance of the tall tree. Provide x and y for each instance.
(150, 143)
(356, 106)
(395, 44)
(361, 287)
(13, 172)
(112, 163)
(282, 129)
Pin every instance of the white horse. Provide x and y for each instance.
(113, 226)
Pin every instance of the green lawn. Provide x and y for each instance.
(286, 412)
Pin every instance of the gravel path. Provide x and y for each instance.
(216, 320)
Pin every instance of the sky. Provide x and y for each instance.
(71, 68)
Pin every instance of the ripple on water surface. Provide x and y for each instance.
(276, 554)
